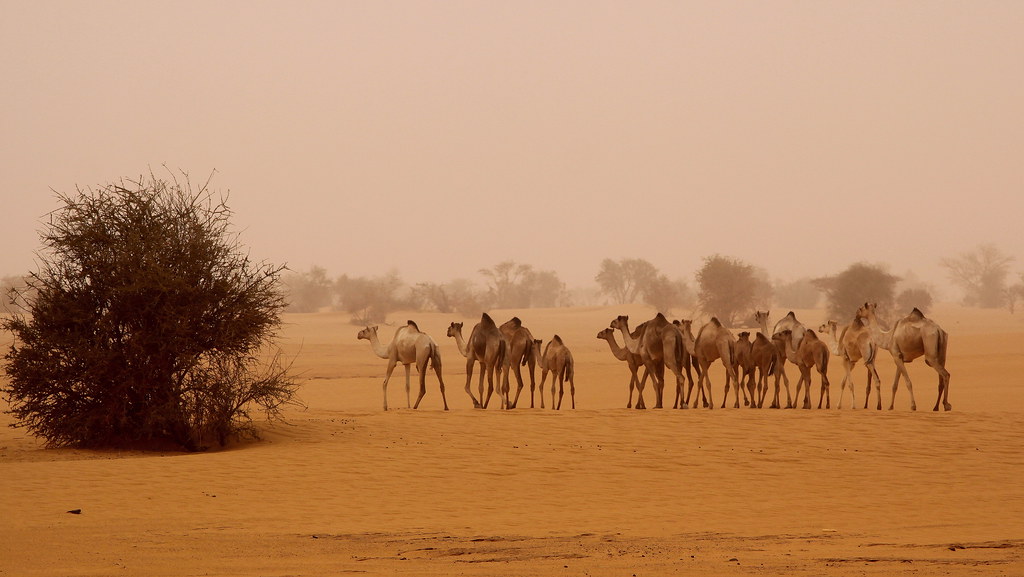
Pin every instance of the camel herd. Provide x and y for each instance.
(659, 344)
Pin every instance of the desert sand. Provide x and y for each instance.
(342, 487)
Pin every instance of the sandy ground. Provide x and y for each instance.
(344, 487)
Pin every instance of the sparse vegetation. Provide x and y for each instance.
(147, 325)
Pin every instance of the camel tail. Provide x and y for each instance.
(435, 356)
(528, 354)
(943, 341)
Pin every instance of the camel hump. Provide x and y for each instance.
(413, 325)
(516, 322)
(715, 321)
(809, 334)
(661, 317)
(557, 339)
(916, 314)
(486, 319)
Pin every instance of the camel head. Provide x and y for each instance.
(606, 334)
(867, 311)
(828, 326)
(743, 336)
(620, 322)
(454, 329)
(367, 333)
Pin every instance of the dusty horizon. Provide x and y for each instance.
(439, 139)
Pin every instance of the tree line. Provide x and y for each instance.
(725, 287)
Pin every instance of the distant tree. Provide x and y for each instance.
(147, 325)
(665, 294)
(797, 294)
(912, 298)
(727, 288)
(369, 300)
(1015, 293)
(454, 296)
(309, 291)
(858, 284)
(981, 273)
(508, 282)
(626, 280)
(513, 285)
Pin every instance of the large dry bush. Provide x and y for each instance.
(147, 324)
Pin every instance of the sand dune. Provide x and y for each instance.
(343, 487)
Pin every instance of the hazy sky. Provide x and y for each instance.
(438, 138)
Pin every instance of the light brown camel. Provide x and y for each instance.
(660, 345)
(812, 353)
(790, 323)
(486, 347)
(745, 368)
(912, 336)
(633, 361)
(853, 344)
(784, 354)
(714, 342)
(520, 344)
(556, 359)
(407, 347)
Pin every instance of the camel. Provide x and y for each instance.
(633, 361)
(407, 347)
(486, 347)
(556, 359)
(520, 342)
(782, 355)
(745, 368)
(660, 345)
(812, 353)
(912, 336)
(713, 342)
(853, 344)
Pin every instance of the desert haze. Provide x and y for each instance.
(345, 487)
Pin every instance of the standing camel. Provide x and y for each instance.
(556, 359)
(745, 368)
(777, 356)
(407, 347)
(486, 347)
(853, 344)
(520, 342)
(912, 336)
(812, 353)
(660, 346)
(633, 361)
(714, 342)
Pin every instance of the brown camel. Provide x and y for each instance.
(812, 353)
(745, 368)
(407, 347)
(556, 359)
(765, 357)
(779, 369)
(853, 344)
(790, 323)
(911, 337)
(714, 342)
(633, 361)
(486, 347)
(520, 344)
(660, 346)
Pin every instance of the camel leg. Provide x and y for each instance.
(943, 388)
(469, 380)
(572, 392)
(640, 390)
(632, 384)
(490, 386)
(543, 379)
(519, 381)
(422, 370)
(408, 398)
(437, 371)
(901, 369)
(387, 377)
(826, 391)
(561, 392)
